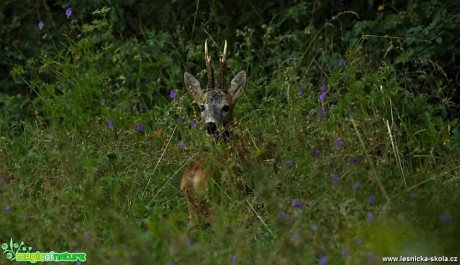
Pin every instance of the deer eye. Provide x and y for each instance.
(225, 108)
(202, 108)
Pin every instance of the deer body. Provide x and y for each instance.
(216, 102)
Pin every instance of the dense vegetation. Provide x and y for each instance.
(356, 104)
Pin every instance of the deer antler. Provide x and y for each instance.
(223, 62)
(209, 68)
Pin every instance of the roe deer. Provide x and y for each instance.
(216, 105)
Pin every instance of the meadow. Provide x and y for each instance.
(349, 122)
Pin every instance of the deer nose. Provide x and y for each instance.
(211, 128)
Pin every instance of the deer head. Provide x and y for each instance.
(216, 103)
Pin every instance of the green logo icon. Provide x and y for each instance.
(22, 253)
(10, 250)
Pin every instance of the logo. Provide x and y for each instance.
(21, 252)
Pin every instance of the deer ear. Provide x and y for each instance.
(193, 87)
(237, 86)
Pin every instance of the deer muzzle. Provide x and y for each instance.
(211, 129)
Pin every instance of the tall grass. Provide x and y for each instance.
(345, 168)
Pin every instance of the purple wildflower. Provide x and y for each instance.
(412, 196)
(175, 179)
(102, 101)
(234, 259)
(344, 252)
(341, 62)
(314, 228)
(289, 164)
(68, 12)
(133, 111)
(282, 216)
(371, 257)
(446, 218)
(40, 25)
(354, 160)
(356, 185)
(297, 205)
(335, 180)
(370, 217)
(323, 260)
(169, 262)
(172, 94)
(322, 112)
(323, 87)
(372, 200)
(322, 97)
(115, 247)
(359, 240)
(7, 208)
(139, 127)
(317, 152)
(339, 142)
(78, 262)
(301, 91)
(110, 124)
(181, 119)
(181, 144)
(193, 125)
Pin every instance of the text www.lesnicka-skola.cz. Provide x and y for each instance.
(420, 259)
